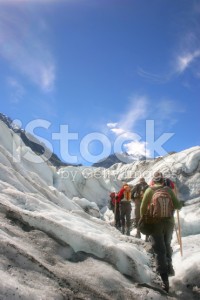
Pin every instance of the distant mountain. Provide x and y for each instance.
(123, 158)
(32, 142)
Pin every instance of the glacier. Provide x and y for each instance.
(57, 238)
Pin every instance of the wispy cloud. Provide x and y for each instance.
(163, 114)
(181, 63)
(155, 78)
(184, 54)
(23, 46)
(188, 46)
(124, 129)
(184, 61)
(136, 111)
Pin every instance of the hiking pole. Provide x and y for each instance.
(177, 236)
(179, 229)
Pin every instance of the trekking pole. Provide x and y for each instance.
(179, 229)
(177, 234)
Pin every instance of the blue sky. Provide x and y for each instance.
(117, 74)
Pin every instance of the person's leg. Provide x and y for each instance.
(159, 247)
(137, 216)
(137, 211)
(122, 216)
(128, 218)
(169, 227)
(117, 217)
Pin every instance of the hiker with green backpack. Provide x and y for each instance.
(157, 210)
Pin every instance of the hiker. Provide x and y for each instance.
(124, 198)
(162, 232)
(166, 182)
(114, 206)
(137, 195)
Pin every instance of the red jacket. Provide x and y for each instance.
(114, 198)
(120, 194)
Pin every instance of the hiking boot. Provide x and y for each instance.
(170, 270)
(117, 226)
(166, 286)
(165, 281)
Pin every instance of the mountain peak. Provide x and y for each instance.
(115, 158)
(32, 142)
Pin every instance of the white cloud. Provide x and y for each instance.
(180, 64)
(164, 113)
(184, 61)
(111, 125)
(136, 112)
(117, 131)
(125, 127)
(137, 148)
(22, 46)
